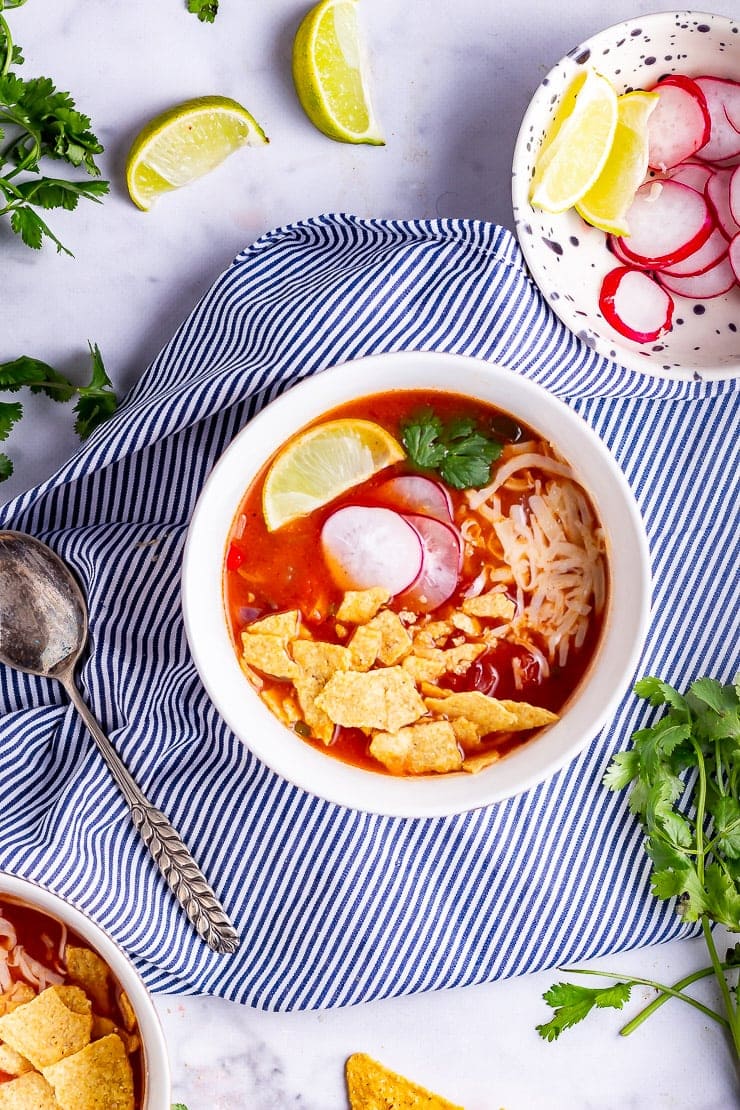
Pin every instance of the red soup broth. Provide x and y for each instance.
(267, 572)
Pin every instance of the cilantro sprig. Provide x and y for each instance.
(683, 774)
(459, 451)
(39, 123)
(206, 10)
(96, 401)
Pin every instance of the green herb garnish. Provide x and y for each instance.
(96, 401)
(39, 122)
(460, 453)
(684, 778)
(206, 10)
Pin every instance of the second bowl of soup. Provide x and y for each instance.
(416, 584)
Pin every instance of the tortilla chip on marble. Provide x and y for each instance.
(87, 970)
(360, 606)
(28, 1092)
(57, 1023)
(426, 748)
(487, 714)
(98, 1077)
(385, 699)
(268, 654)
(371, 1086)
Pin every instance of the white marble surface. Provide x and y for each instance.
(452, 80)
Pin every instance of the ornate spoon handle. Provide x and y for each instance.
(182, 874)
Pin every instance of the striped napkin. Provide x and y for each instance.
(336, 906)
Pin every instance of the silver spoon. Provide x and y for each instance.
(43, 631)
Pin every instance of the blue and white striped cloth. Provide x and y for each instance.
(335, 906)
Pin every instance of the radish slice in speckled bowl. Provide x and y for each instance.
(569, 259)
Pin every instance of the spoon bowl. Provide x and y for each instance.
(43, 631)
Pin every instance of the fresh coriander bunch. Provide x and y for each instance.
(40, 124)
(683, 773)
(206, 10)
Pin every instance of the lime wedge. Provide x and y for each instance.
(322, 462)
(186, 142)
(607, 202)
(330, 73)
(570, 164)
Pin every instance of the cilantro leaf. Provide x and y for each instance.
(97, 401)
(10, 413)
(206, 10)
(572, 1003)
(6, 467)
(460, 451)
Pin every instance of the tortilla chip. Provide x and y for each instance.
(102, 1026)
(458, 659)
(466, 731)
(57, 1023)
(29, 1092)
(285, 624)
(99, 1077)
(319, 659)
(365, 645)
(360, 606)
(424, 669)
(11, 1062)
(469, 625)
(268, 654)
(371, 1086)
(90, 972)
(319, 723)
(435, 632)
(395, 640)
(494, 604)
(430, 747)
(478, 762)
(528, 716)
(385, 699)
(487, 714)
(128, 1017)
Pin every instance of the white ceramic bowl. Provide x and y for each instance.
(281, 749)
(157, 1085)
(567, 258)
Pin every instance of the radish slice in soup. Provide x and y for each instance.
(679, 124)
(440, 568)
(668, 221)
(723, 103)
(708, 255)
(366, 547)
(412, 493)
(693, 174)
(734, 256)
(635, 305)
(703, 287)
(717, 193)
(734, 193)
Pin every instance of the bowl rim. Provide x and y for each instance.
(203, 603)
(541, 102)
(154, 1047)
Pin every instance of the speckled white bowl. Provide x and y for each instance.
(592, 703)
(157, 1086)
(568, 258)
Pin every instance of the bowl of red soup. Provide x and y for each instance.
(416, 584)
(77, 1026)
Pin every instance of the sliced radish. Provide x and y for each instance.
(734, 195)
(717, 193)
(635, 305)
(614, 245)
(693, 174)
(703, 287)
(708, 255)
(366, 547)
(679, 124)
(734, 256)
(412, 493)
(668, 221)
(723, 103)
(440, 568)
